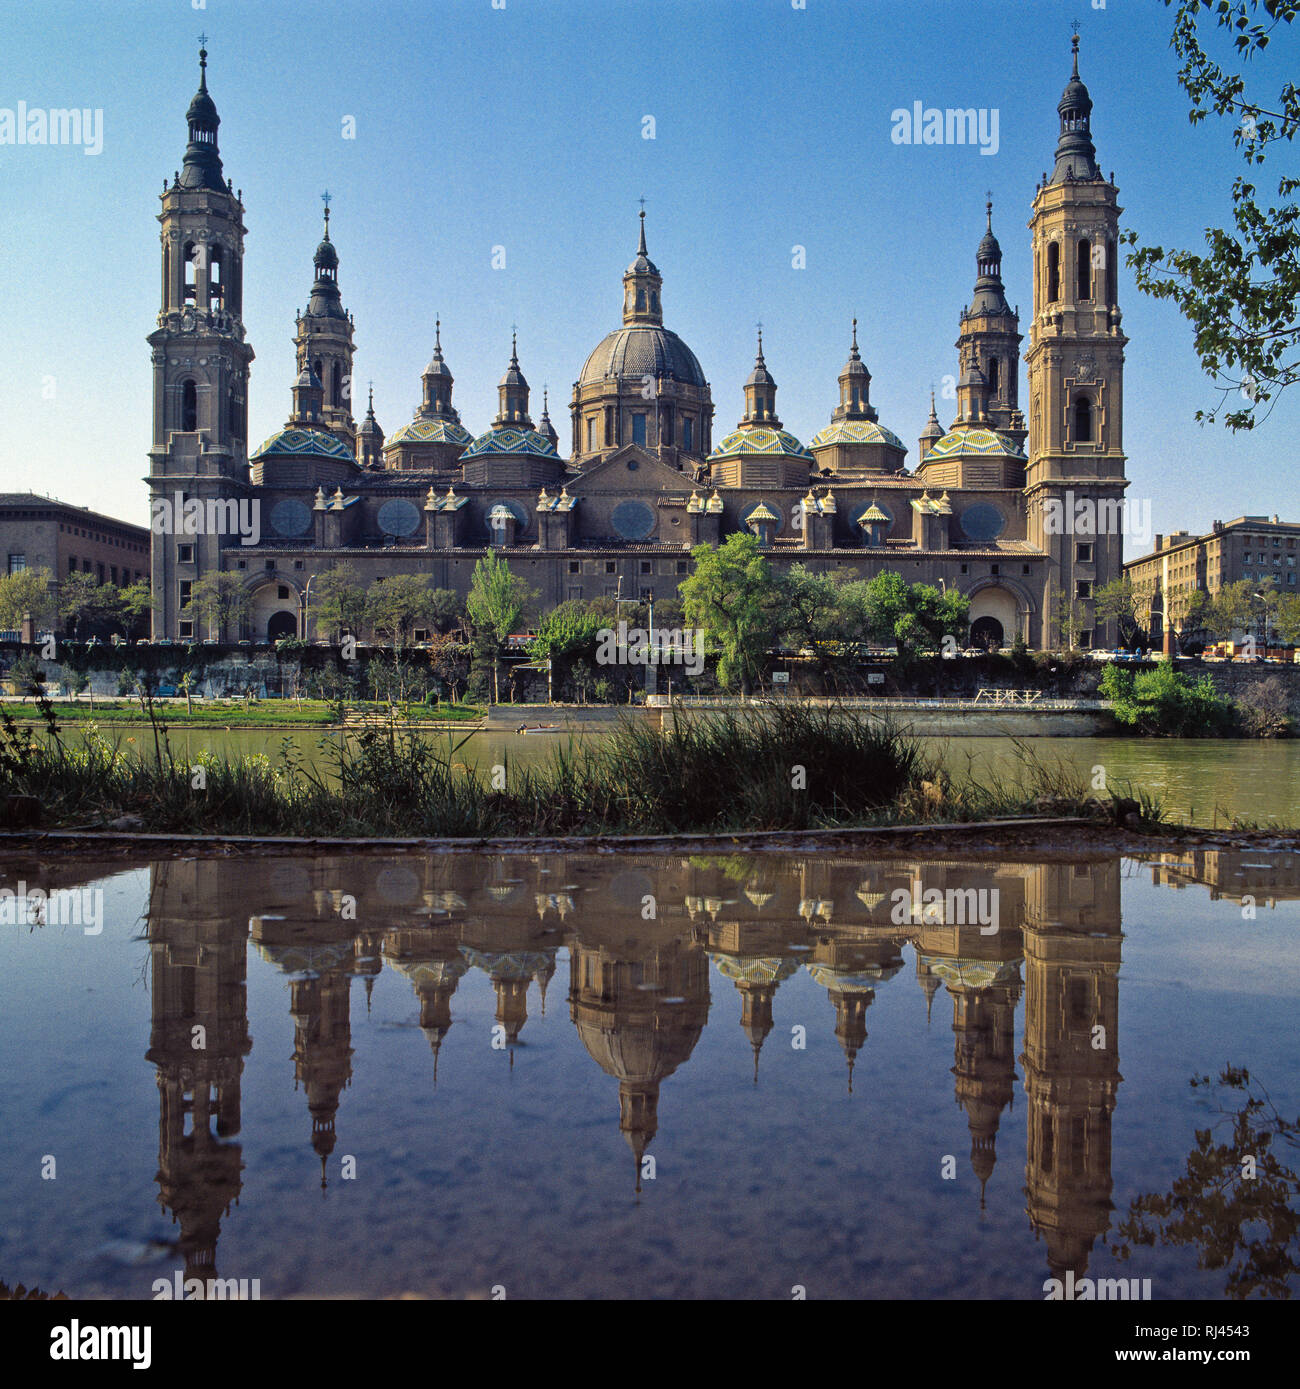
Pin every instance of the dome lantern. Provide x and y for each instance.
(642, 286)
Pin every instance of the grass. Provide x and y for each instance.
(237, 714)
(784, 768)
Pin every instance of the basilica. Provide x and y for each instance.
(646, 476)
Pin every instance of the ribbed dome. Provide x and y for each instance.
(642, 349)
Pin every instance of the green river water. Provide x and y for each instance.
(1197, 780)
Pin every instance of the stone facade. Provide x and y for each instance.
(645, 480)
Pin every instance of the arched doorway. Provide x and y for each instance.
(282, 624)
(987, 633)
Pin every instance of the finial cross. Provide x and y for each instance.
(327, 197)
(203, 40)
(642, 202)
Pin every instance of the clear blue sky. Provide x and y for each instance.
(522, 127)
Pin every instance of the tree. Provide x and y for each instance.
(219, 599)
(1241, 1218)
(1068, 617)
(80, 601)
(888, 610)
(1121, 603)
(567, 633)
(496, 601)
(730, 596)
(1241, 296)
(1287, 618)
(133, 602)
(337, 601)
(27, 591)
(446, 610)
(395, 605)
(808, 606)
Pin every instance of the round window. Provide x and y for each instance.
(983, 521)
(633, 521)
(290, 518)
(399, 517)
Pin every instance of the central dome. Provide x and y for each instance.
(642, 349)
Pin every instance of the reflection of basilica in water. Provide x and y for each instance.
(639, 937)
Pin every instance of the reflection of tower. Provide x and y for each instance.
(198, 1041)
(434, 965)
(850, 971)
(1071, 1059)
(320, 958)
(511, 973)
(322, 1050)
(617, 1001)
(984, 1024)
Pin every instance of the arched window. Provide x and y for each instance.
(189, 407)
(1085, 269)
(1112, 275)
(216, 292)
(336, 398)
(1083, 420)
(191, 271)
(1053, 271)
(993, 376)
(654, 301)
(315, 366)
(640, 300)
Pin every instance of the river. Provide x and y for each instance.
(1203, 781)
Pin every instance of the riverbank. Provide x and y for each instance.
(784, 767)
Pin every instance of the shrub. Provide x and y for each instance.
(1162, 702)
(1263, 710)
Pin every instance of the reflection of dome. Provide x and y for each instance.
(643, 1050)
(642, 349)
(853, 981)
(512, 441)
(509, 964)
(313, 443)
(308, 959)
(856, 432)
(972, 974)
(435, 431)
(984, 442)
(769, 442)
(756, 969)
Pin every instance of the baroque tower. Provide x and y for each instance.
(1075, 478)
(200, 366)
(324, 342)
(989, 346)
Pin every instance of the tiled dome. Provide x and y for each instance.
(985, 442)
(511, 441)
(643, 349)
(855, 432)
(434, 431)
(761, 441)
(313, 443)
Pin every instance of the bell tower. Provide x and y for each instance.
(324, 341)
(200, 364)
(1075, 477)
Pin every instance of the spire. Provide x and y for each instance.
(325, 301)
(641, 285)
(1076, 156)
(547, 430)
(512, 393)
(437, 379)
(202, 167)
(855, 386)
(990, 294)
(760, 393)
